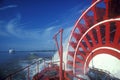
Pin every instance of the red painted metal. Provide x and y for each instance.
(101, 51)
(45, 75)
(73, 44)
(99, 35)
(60, 50)
(105, 24)
(117, 34)
(86, 45)
(107, 33)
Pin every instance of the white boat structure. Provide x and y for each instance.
(11, 51)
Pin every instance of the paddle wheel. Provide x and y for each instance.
(97, 31)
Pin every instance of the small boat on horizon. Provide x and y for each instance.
(11, 51)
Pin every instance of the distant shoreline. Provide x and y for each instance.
(35, 51)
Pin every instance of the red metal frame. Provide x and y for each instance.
(86, 42)
(60, 51)
(94, 37)
(48, 69)
(77, 25)
(100, 40)
(101, 50)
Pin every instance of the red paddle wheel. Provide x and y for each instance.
(97, 31)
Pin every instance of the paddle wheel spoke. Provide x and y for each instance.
(79, 60)
(71, 53)
(73, 44)
(117, 34)
(99, 35)
(88, 44)
(76, 36)
(79, 27)
(98, 32)
(81, 54)
(92, 38)
(83, 47)
(107, 33)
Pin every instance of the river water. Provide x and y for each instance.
(13, 62)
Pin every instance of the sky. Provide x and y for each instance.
(31, 24)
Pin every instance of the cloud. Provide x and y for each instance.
(50, 28)
(3, 33)
(8, 6)
(13, 28)
(25, 38)
(37, 36)
(2, 29)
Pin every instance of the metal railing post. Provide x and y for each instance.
(38, 66)
(28, 73)
(60, 51)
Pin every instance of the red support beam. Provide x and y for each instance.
(70, 63)
(92, 38)
(117, 33)
(107, 33)
(106, 11)
(79, 27)
(83, 47)
(71, 53)
(81, 54)
(76, 36)
(79, 60)
(87, 42)
(105, 51)
(99, 35)
(60, 51)
(73, 44)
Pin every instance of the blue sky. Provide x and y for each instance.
(31, 24)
